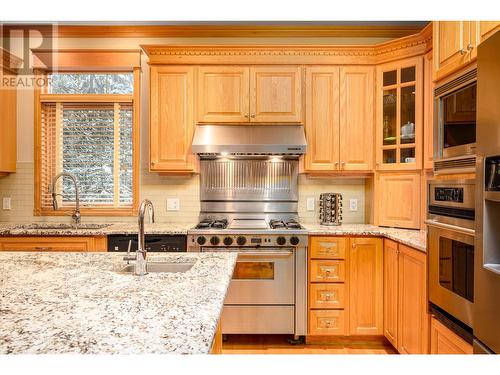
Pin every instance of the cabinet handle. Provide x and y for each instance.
(336, 165)
(353, 245)
(342, 164)
(247, 116)
(470, 47)
(377, 165)
(42, 248)
(252, 116)
(462, 51)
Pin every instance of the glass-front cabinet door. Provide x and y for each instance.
(399, 115)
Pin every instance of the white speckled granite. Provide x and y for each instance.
(75, 303)
(410, 237)
(48, 229)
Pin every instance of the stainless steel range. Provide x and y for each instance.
(249, 201)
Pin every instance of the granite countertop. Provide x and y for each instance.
(410, 237)
(76, 303)
(55, 229)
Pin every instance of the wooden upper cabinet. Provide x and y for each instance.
(399, 120)
(322, 118)
(451, 39)
(223, 94)
(391, 301)
(366, 286)
(413, 319)
(397, 200)
(172, 122)
(242, 94)
(428, 146)
(455, 43)
(8, 100)
(276, 94)
(356, 118)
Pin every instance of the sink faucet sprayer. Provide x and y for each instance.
(76, 214)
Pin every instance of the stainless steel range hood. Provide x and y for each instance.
(249, 140)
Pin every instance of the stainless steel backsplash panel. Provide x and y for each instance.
(249, 180)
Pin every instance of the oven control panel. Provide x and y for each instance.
(449, 194)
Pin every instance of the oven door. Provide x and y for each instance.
(451, 269)
(262, 277)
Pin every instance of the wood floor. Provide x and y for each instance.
(278, 344)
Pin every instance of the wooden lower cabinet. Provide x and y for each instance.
(327, 322)
(406, 321)
(217, 343)
(366, 286)
(46, 243)
(391, 276)
(345, 286)
(445, 341)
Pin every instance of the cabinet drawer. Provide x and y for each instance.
(326, 322)
(332, 271)
(77, 244)
(326, 296)
(328, 247)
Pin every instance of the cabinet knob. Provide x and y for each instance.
(247, 116)
(342, 164)
(470, 47)
(377, 165)
(336, 165)
(462, 51)
(252, 116)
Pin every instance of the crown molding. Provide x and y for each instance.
(408, 46)
(228, 30)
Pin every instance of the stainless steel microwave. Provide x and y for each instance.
(455, 123)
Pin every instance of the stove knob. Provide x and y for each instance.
(228, 241)
(241, 240)
(294, 240)
(281, 240)
(214, 241)
(201, 240)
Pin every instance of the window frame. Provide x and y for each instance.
(41, 96)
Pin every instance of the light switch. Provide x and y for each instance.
(173, 204)
(310, 204)
(7, 203)
(353, 204)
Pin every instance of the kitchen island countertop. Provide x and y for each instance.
(77, 303)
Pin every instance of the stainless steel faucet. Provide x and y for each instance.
(140, 259)
(76, 214)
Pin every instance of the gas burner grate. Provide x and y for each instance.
(280, 224)
(212, 224)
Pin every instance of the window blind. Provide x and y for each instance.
(93, 141)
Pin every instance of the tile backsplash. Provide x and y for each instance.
(19, 187)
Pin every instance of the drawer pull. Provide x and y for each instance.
(43, 248)
(326, 296)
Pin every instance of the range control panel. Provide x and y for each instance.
(230, 240)
(449, 194)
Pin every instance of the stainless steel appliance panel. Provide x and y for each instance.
(272, 179)
(487, 260)
(258, 320)
(451, 254)
(263, 277)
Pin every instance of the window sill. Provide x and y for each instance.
(132, 211)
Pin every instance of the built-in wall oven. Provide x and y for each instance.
(451, 235)
(455, 124)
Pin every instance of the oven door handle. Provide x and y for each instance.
(437, 224)
(273, 254)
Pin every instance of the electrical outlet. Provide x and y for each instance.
(310, 204)
(353, 204)
(173, 204)
(7, 203)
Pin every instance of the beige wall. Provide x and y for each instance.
(19, 186)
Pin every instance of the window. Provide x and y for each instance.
(86, 128)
